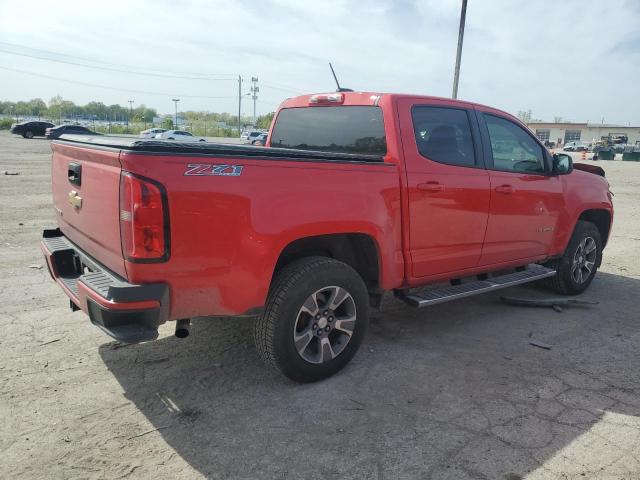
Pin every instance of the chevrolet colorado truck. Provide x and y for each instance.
(355, 194)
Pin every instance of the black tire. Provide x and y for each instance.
(292, 287)
(564, 281)
(28, 134)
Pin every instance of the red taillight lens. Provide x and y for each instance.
(142, 219)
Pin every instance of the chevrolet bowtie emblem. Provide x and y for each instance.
(75, 199)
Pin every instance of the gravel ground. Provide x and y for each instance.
(453, 392)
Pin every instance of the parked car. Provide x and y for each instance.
(252, 136)
(151, 132)
(306, 236)
(260, 140)
(575, 147)
(179, 135)
(30, 129)
(55, 132)
(244, 135)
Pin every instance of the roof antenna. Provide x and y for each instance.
(340, 89)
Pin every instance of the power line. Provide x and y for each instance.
(110, 69)
(268, 103)
(281, 88)
(106, 87)
(121, 68)
(124, 66)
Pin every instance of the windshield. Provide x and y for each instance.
(343, 129)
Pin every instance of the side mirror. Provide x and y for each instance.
(562, 164)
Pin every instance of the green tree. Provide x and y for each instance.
(264, 121)
(60, 108)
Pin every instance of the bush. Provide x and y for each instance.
(5, 123)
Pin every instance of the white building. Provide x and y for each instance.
(563, 132)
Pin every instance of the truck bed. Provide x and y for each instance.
(226, 228)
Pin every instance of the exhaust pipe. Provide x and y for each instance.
(182, 327)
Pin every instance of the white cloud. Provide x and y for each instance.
(556, 58)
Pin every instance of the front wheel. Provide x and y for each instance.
(315, 318)
(28, 134)
(579, 264)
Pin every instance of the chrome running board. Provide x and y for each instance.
(425, 298)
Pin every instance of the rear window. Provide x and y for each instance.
(354, 129)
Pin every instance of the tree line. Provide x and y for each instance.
(58, 110)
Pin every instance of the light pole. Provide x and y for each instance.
(130, 113)
(254, 94)
(456, 75)
(175, 102)
(239, 103)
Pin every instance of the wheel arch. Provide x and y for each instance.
(358, 250)
(601, 218)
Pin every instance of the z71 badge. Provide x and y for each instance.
(205, 169)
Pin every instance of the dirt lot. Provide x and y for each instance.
(453, 392)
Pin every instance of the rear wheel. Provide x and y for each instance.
(579, 264)
(315, 318)
(28, 134)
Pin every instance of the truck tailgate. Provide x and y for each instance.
(86, 191)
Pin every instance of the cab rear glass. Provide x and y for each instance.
(340, 129)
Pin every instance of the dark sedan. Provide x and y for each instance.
(55, 132)
(30, 129)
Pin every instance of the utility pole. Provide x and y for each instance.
(130, 113)
(175, 103)
(239, 103)
(254, 94)
(456, 75)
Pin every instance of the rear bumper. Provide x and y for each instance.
(129, 313)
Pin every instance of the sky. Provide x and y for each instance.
(575, 59)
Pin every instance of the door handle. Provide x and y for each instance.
(431, 187)
(506, 189)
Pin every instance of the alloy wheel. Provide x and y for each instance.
(584, 260)
(325, 324)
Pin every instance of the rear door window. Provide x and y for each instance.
(342, 129)
(444, 135)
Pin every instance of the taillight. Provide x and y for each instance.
(143, 219)
(327, 98)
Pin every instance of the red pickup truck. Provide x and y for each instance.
(355, 194)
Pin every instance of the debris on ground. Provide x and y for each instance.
(7, 172)
(539, 344)
(35, 265)
(556, 303)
